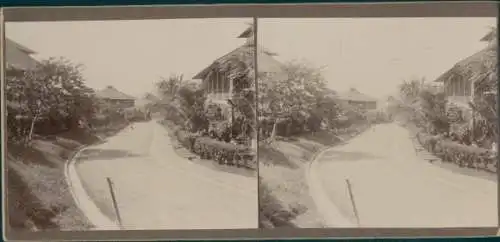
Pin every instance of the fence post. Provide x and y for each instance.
(115, 204)
(354, 208)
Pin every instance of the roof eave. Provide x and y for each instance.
(203, 73)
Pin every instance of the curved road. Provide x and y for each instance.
(158, 189)
(393, 187)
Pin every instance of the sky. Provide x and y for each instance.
(374, 55)
(371, 54)
(132, 55)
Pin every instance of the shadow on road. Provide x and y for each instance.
(466, 171)
(228, 169)
(335, 156)
(104, 154)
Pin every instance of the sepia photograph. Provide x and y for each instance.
(130, 125)
(377, 122)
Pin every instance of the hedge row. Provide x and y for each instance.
(225, 153)
(462, 155)
(222, 152)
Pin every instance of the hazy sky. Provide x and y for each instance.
(372, 55)
(131, 55)
(375, 55)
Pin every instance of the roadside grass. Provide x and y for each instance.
(37, 189)
(284, 195)
(38, 196)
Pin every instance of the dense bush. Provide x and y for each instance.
(425, 105)
(185, 138)
(183, 103)
(221, 131)
(433, 109)
(136, 115)
(224, 153)
(273, 214)
(462, 155)
(219, 151)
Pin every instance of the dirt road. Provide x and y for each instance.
(394, 187)
(157, 189)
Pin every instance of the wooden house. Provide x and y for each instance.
(355, 98)
(235, 71)
(116, 98)
(18, 56)
(459, 83)
(18, 60)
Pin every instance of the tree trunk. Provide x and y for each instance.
(273, 132)
(30, 136)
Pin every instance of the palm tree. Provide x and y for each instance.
(409, 90)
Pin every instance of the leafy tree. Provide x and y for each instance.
(168, 87)
(433, 107)
(486, 88)
(54, 92)
(192, 100)
(410, 90)
(183, 101)
(300, 98)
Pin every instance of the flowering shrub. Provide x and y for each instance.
(222, 152)
(462, 155)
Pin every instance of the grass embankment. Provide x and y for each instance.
(283, 190)
(38, 196)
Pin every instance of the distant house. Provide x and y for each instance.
(460, 81)
(355, 98)
(117, 98)
(18, 57)
(221, 77)
(18, 60)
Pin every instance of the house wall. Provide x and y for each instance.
(459, 91)
(218, 87)
(124, 103)
(460, 87)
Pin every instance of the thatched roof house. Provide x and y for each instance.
(112, 93)
(474, 74)
(220, 77)
(355, 97)
(113, 96)
(18, 56)
(244, 54)
(18, 59)
(490, 36)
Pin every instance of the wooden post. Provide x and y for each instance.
(354, 208)
(216, 84)
(472, 95)
(115, 204)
